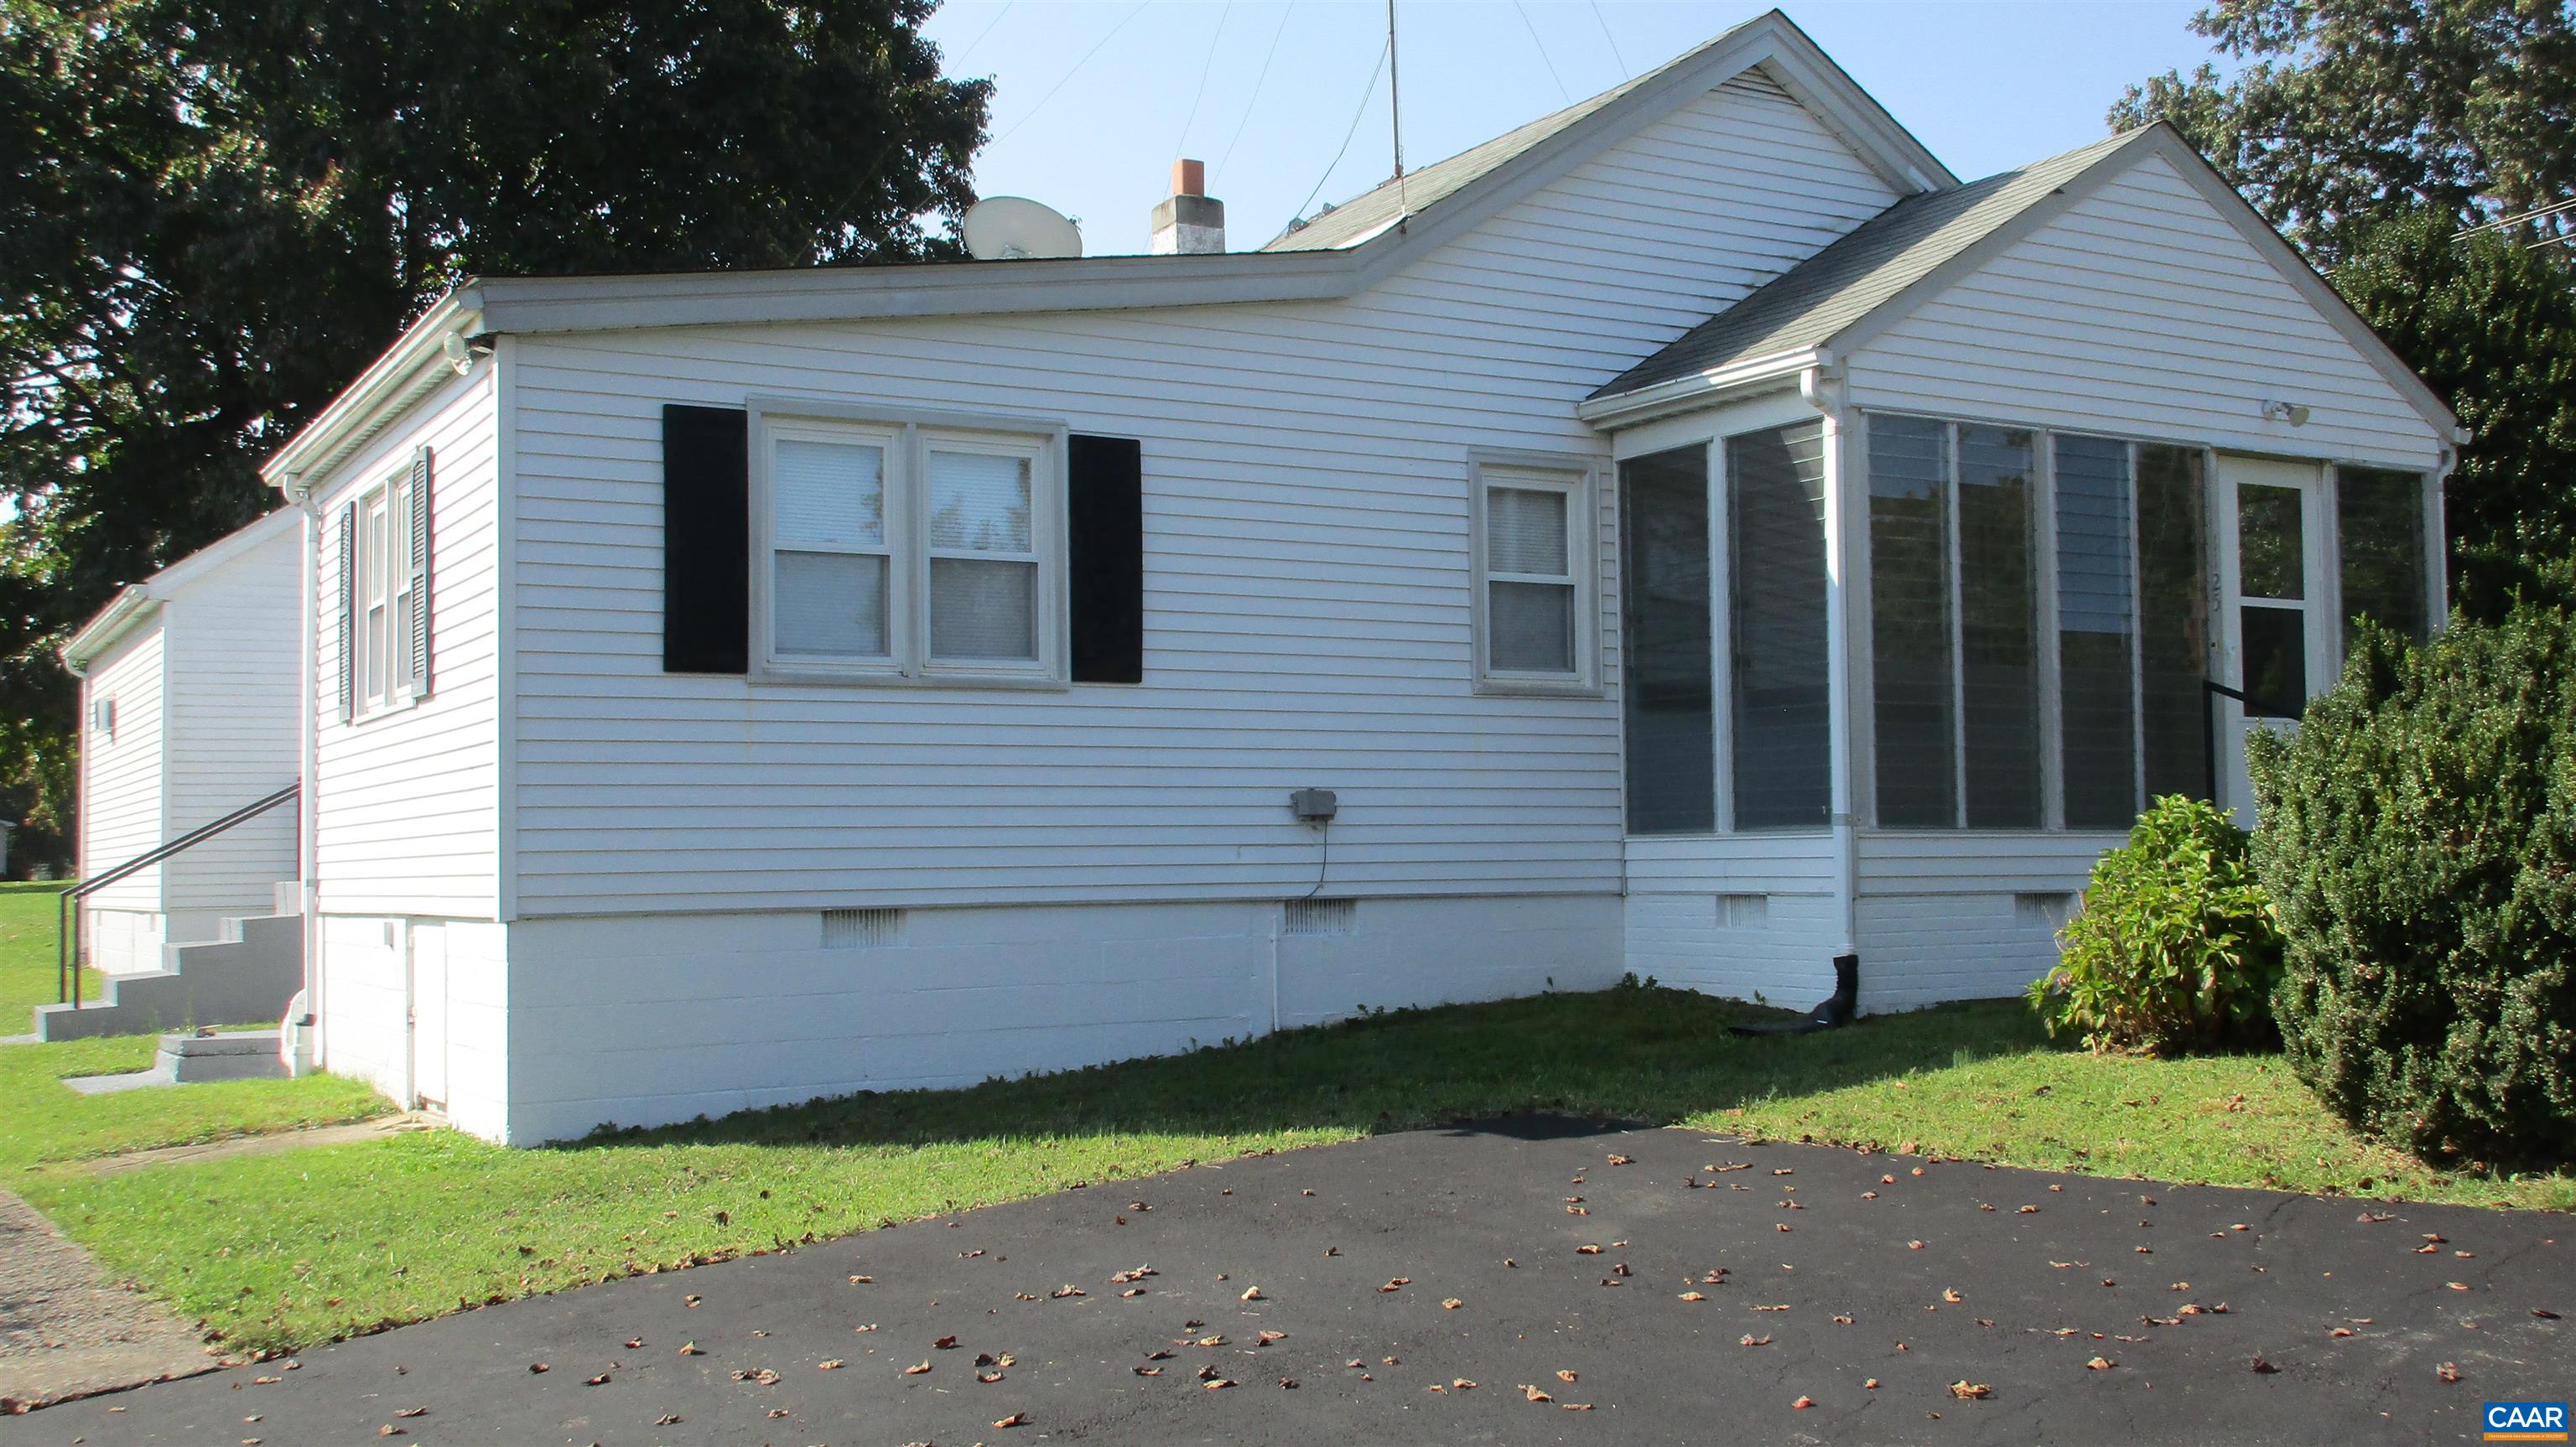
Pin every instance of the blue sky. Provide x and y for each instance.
(1094, 98)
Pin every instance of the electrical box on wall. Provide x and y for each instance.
(1314, 806)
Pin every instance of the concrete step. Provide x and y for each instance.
(248, 973)
(194, 1057)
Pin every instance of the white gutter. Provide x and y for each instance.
(408, 371)
(133, 604)
(1729, 383)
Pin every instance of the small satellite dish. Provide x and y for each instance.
(1015, 228)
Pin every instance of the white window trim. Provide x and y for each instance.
(1579, 478)
(401, 690)
(908, 436)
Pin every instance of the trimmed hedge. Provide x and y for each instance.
(2174, 949)
(2418, 840)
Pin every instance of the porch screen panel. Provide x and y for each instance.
(1998, 637)
(1909, 600)
(1667, 690)
(2173, 621)
(1776, 486)
(2380, 515)
(2097, 718)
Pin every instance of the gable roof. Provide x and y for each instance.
(1320, 262)
(1878, 273)
(136, 602)
(1813, 302)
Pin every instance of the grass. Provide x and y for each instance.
(27, 965)
(278, 1251)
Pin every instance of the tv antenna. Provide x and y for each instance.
(1395, 118)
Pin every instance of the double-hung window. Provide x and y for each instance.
(386, 554)
(912, 550)
(1535, 622)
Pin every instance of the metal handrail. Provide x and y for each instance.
(67, 981)
(2211, 690)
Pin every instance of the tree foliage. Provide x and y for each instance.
(213, 215)
(2350, 111)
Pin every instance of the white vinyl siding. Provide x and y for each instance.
(122, 778)
(2141, 312)
(235, 633)
(1308, 584)
(407, 801)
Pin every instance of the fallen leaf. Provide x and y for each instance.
(535, 1369)
(413, 1412)
(1068, 1289)
(1462, 1385)
(988, 1377)
(667, 1419)
(1587, 1250)
(945, 1344)
(1750, 1340)
(2544, 1313)
(834, 1364)
(1217, 1340)
(1252, 1293)
(1803, 1403)
(1586, 1211)
(1970, 1391)
(634, 1342)
(2101, 1364)
(1133, 1291)
(1158, 1355)
(1268, 1337)
(1531, 1393)
(1694, 1296)
(2457, 1285)
(390, 1430)
(917, 1368)
(1781, 1307)
(1013, 1420)
(1842, 1321)
(2026, 1211)
(1147, 1371)
(1576, 1406)
(2448, 1371)
(1619, 1160)
(2340, 1331)
(1869, 1384)
(1289, 1384)
(1451, 1303)
(2262, 1368)
(1217, 1385)
(1951, 1295)
(598, 1381)
(1397, 1283)
(1869, 1195)
(861, 1330)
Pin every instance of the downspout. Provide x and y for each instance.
(306, 1054)
(1821, 386)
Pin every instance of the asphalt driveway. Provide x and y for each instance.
(1593, 1285)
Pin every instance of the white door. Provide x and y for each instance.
(429, 1017)
(2276, 628)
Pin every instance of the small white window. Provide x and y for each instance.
(911, 550)
(1535, 624)
(102, 717)
(385, 608)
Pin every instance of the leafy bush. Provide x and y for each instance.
(2175, 948)
(2419, 840)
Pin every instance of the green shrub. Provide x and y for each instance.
(2174, 949)
(2419, 840)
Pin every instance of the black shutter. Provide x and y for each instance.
(706, 540)
(1105, 555)
(418, 522)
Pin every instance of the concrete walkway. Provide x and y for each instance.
(1535, 1282)
(66, 1330)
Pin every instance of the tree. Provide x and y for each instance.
(2490, 323)
(2352, 111)
(2373, 133)
(212, 216)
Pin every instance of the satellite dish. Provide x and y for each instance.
(1015, 228)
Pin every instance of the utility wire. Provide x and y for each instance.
(1068, 75)
(1543, 59)
(1183, 144)
(1356, 115)
(2549, 210)
(1624, 72)
(986, 31)
(1255, 99)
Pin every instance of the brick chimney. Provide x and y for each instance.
(1188, 222)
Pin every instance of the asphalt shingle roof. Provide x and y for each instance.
(1808, 305)
(1365, 215)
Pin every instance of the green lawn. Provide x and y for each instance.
(282, 1250)
(27, 913)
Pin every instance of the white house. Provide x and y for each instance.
(1693, 534)
(189, 683)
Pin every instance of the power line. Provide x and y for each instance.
(1543, 58)
(1068, 75)
(1374, 72)
(1266, 57)
(981, 34)
(1624, 72)
(1183, 144)
(2549, 210)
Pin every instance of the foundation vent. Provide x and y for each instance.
(1743, 911)
(859, 929)
(2050, 910)
(1321, 916)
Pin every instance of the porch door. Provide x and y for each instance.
(2276, 623)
